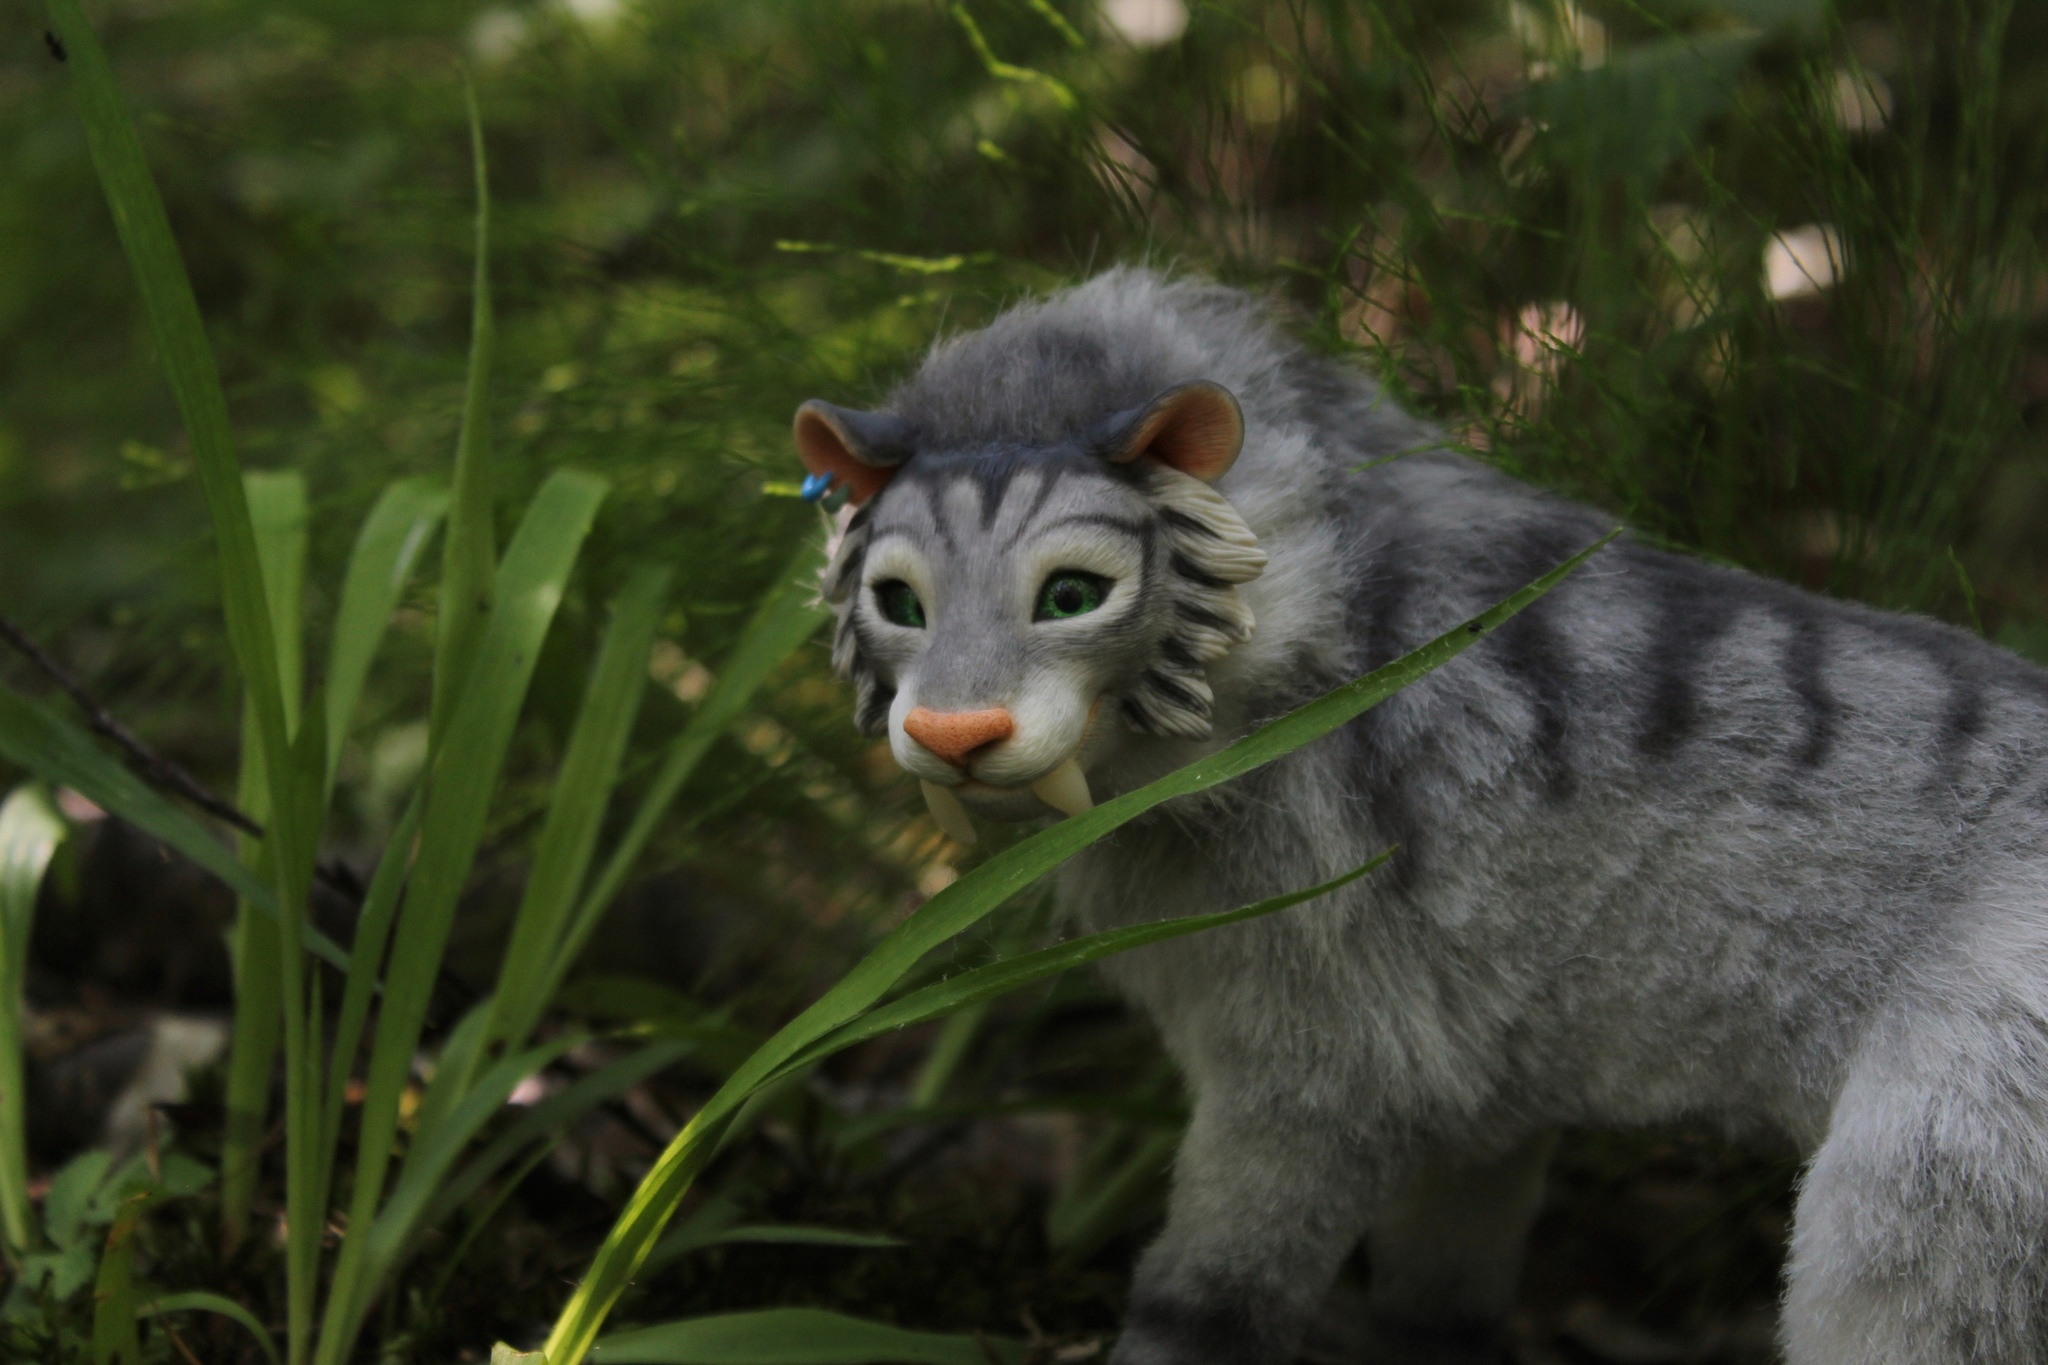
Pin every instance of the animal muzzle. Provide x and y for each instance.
(956, 736)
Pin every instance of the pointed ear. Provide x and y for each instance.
(858, 449)
(1196, 428)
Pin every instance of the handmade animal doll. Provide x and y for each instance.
(1677, 843)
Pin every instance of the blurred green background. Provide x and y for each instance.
(1760, 275)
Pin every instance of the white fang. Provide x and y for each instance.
(1065, 789)
(947, 810)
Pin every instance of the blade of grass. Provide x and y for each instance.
(114, 1339)
(30, 831)
(961, 905)
(366, 957)
(797, 1336)
(787, 616)
(387, 548)
(187, 358)
(469, 555)
(576, 808)
(550, 1117)
(200, 1301)
(278, 516)
(463, 776)
(64, 755)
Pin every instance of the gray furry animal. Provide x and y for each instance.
(1676, 843)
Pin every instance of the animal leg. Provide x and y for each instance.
(1921, 1233)
(1446, 1253)
(1267, 1201)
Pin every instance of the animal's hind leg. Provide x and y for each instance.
(1921, 1235)
(1446, 1253)
(1268, 1199)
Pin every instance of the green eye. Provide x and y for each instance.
(899, 604)
(1070, 593)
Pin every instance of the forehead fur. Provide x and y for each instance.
(1048, 371)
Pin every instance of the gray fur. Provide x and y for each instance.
(1678, 843)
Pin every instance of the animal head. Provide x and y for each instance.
(1005, 607)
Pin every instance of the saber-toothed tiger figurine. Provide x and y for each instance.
(1677, 843)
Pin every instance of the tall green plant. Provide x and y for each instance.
(30, 832)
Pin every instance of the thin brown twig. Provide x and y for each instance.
(153, 767)
(156, 769)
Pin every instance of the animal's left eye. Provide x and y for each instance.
(1070, 593)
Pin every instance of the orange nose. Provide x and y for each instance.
(953, 735)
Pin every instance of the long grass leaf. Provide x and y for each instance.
(469, 555)
(961, 905)
(387, 548)
(201, 1301)
(788, 615)
(278, 515)
(63, 755)
(576, 807)
(188, 363)
(549, 1118)
(462, 778)
(797, 1336)
(30, 831)
(114, 1339)
(1000, 978)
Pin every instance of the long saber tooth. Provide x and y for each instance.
(947, 810)
(1065, 789)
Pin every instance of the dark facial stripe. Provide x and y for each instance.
(1185, 524)
(1137, 530)
(1803, 653)
(1193, 572)
(1174, 692)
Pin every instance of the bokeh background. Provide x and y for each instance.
(1760, 276)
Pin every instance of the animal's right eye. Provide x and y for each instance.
(899, 604)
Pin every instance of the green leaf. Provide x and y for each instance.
(462, 778)
(797, 1336)
(576, 808)
(956, 908)
(30, 831)
(387, 548)
(70, 1195)
(188, 363)
(788, 615)
(469, 556)
(1000, 978)
(200, 1301)
(114, 1339)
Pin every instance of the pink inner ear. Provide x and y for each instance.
(1197, 429)
(824, 449)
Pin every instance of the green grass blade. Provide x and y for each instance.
(997, 979)
(63, 755)
(114, 1339)
(30, 831)
(469, 556)
(188, 363)
(200, 1301)
(550, 1117)
(366, 956)
(787, 616)
(278, 515)
(463, 777)
(387, 548)
(797, 1336)
(961, 905)
(583, 788)
(433, 1154)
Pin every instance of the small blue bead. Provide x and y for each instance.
(815, 486)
